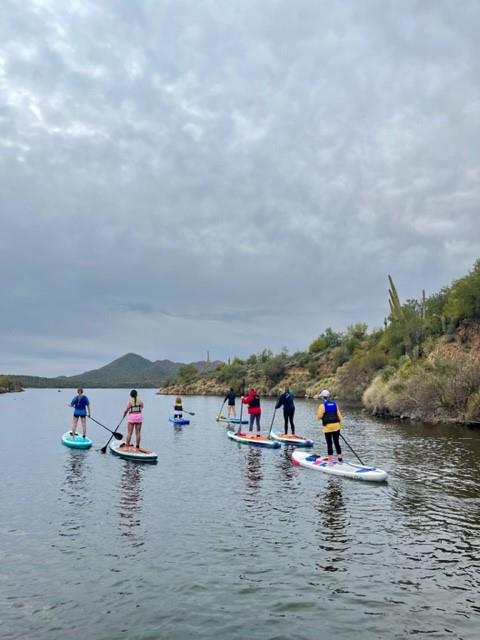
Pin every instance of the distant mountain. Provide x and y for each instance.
(130, 370)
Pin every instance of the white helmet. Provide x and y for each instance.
(325, 393)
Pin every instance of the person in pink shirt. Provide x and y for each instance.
(134, 421)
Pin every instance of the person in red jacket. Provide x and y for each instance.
(254, 408)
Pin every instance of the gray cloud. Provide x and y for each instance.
(176, 177)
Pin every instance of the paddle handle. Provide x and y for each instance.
(239, 430)
(271, 424)
(104, 448)
(220, 412)
(352, 450)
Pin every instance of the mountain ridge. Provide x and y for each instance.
(129, 370)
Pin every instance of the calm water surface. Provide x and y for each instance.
(223, 541)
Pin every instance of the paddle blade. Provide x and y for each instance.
(103, 450)
(118, 436)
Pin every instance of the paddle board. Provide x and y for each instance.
(179, 421)
(298, 441)
(346, 469)
(256, 441)
(76, 441)
(231, 420)
(132, 453)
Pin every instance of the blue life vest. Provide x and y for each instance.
(331, 415)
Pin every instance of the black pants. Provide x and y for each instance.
(288, 416)
(333, 438)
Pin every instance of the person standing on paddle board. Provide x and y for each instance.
(178, 408)
(286, 399)
(81, 409)
(135, 419)
(331, 418)
(254, 408)
(231, 403)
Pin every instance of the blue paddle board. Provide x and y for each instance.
(76, 441)
(179, 421)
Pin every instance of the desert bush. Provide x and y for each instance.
(435, 389)
(353, 377)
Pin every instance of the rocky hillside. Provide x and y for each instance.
(423, 364)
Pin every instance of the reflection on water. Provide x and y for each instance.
(246, 543)
(286, 466)
(75, 469)
(130, 502)
(74, 492)
(254, 469)
(332, 524)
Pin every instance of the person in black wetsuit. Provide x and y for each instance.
(231, 403)
(286, 400)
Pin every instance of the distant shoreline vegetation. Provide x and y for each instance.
(424, 363)
(7, 385)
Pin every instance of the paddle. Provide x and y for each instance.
(352, 450)
(104, 448)
(190, 413)
(271, 424)
(241, 408)
(116, 435)
(220, 412)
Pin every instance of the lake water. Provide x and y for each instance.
(224, 541)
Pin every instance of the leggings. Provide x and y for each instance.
(333, 437)
(288, 416)
(255, 418)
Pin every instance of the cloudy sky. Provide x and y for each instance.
(184, 175)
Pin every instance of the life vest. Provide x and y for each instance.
(331, 415)
(254, 402)
(136, 407)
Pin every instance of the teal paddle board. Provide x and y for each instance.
(76, 441)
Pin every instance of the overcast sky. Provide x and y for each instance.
(178, 176)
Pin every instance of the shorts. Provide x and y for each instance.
(79, 414)
(135, 418)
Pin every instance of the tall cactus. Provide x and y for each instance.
(394, 301)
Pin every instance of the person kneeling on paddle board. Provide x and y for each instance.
(331, 418)
(134, 411)
(254, 409)
(286, 399)
(81, 409)
(178, 408)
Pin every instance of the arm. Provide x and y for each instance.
(320, 411)
(280, 401)
(247, 398)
